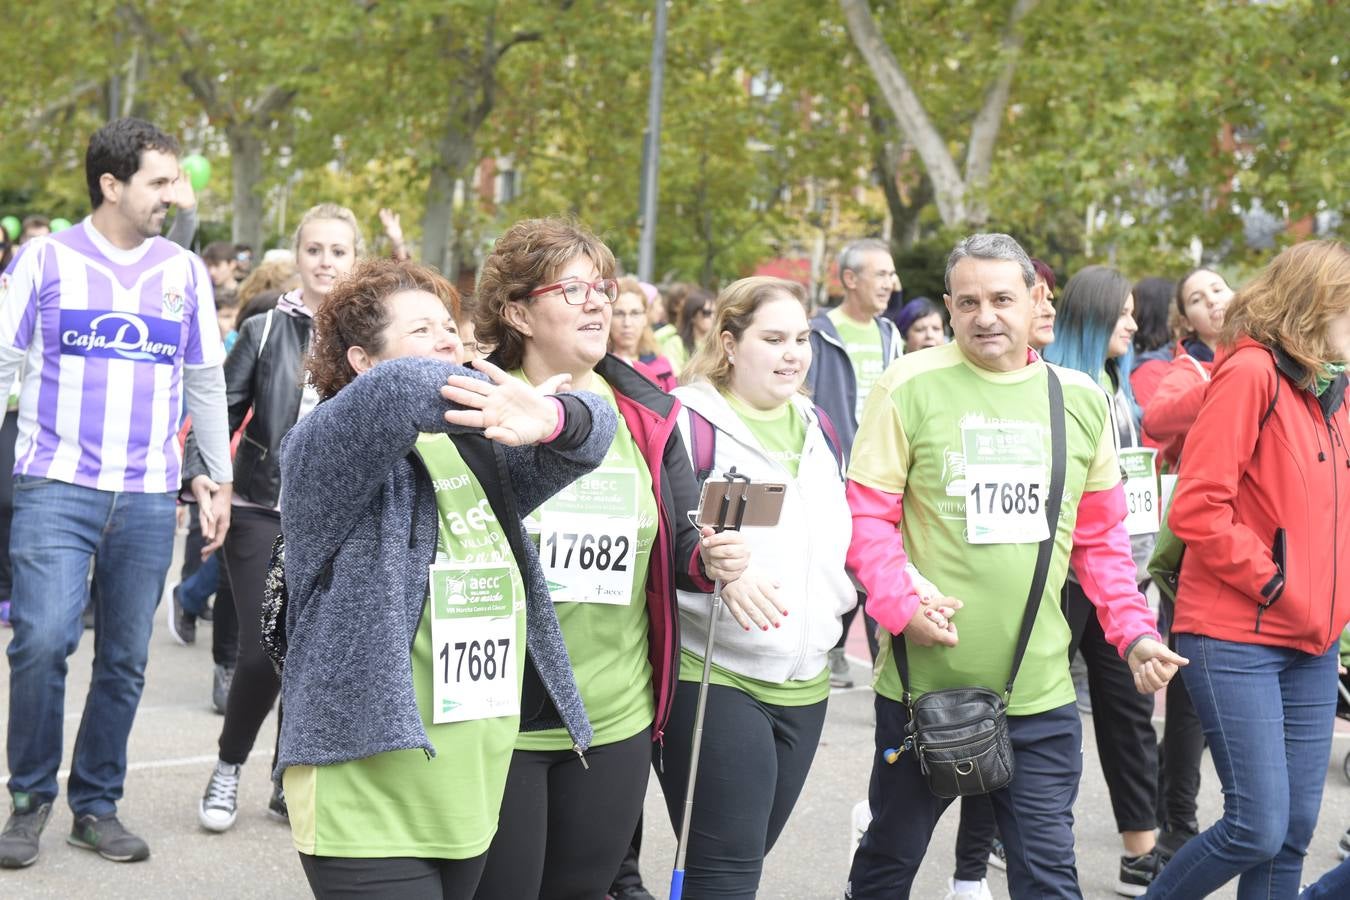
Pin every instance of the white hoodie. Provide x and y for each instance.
(804, 553)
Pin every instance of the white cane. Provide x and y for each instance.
(725, 522)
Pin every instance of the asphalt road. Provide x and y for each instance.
(173, 747)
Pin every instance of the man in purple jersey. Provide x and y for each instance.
(114, 329)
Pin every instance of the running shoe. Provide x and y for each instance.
(276, 807)
(219, 806)
(632, 892)
(1137, 873)
(182, 624)
(840, 674)
(1343, 848)
(220, 687)
(19, 840)
(980, 891)
(107, 837)
(998, 855)
(1171, 840)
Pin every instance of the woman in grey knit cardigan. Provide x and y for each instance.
(413, 593)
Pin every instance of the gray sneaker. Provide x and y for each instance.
(220, 687)
(219, 806)
(19, 840)
(108, 838)
(182, 624)
(840, 674)
(276, 807)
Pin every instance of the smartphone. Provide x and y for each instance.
(738, 504)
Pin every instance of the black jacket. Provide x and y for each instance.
(264, 372)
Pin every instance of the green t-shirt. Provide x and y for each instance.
(914, 440)
(607, 642)
(781, 432)
(788, 693)
(862, 341)
(672, 348)
(402, 803)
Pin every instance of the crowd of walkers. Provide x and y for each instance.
(523, 498)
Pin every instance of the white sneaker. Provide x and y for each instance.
(858, 822)
(978, 893)
(220, 804)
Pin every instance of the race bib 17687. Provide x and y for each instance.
(473, 635)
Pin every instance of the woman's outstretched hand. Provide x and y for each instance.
(507, 409)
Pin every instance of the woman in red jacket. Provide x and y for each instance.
(1262, 504)
(1169, 412)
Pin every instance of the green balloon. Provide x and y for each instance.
(59, 225)
(198, 170)
(11, 225)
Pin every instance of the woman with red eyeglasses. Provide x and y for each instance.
(613, 546)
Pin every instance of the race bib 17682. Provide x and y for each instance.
(588, 539)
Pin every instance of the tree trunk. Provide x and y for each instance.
(948, 187)
(440, 230)
(246, 170)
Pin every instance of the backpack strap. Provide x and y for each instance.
(831, 438)
(702, 443)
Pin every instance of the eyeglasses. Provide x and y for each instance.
(633, 314)
(576, 292)
(706, 311)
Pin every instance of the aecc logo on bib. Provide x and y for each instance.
(119, 335)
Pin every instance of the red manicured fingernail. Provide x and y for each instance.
(765, 627)
(777, 624)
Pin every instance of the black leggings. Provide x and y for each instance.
(752, 766)
(1179, 752)
(392, 878)
(563, 828)
(248, 546)
(1122, 719)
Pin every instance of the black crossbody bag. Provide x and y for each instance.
(961, 734)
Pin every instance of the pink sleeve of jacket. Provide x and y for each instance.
(877, 557)
(1101, 560)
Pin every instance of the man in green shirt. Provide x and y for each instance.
(851, 345)
(961, 434)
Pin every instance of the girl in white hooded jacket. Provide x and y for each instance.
(770, 683)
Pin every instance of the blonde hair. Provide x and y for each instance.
(1290, 303)
(647, 340)
(734, 311)
(334, 212)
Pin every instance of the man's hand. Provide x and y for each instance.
(1153, 665)
(184, 197)
(213, 505)
(931, 623)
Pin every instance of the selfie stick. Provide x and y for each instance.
(728, 518)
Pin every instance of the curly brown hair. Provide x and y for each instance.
(531, 253)
(1290, 303)
(354, 314)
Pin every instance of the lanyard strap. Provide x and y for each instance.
(1044, 551)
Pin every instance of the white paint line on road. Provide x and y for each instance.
(172, 763)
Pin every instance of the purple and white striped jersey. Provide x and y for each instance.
(106, 334)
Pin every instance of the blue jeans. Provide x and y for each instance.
(1034, 813)
(1331, 886)
(198, 587)
(1268, 714)
(59, 529)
